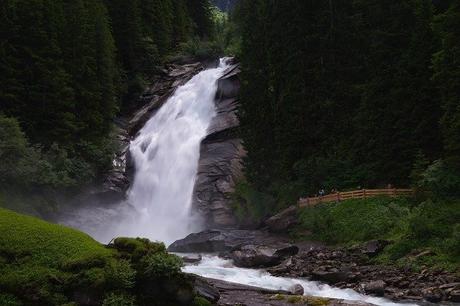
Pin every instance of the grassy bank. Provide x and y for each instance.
(412, 227)
(48, 264)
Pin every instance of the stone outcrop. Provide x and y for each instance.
(260, 256)
(225, 241)
(221, 153)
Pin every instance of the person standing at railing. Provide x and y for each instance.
(321, 192)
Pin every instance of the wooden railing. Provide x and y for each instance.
(355, 194)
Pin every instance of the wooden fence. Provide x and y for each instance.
(355, 194)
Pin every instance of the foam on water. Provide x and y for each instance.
(218, 268)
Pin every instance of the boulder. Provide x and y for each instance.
(330, 277)
(296, 289)
(192, 258)
(215, 241)
(253, 256)
(204, 242)
(433, 295)
(284, 220)
(374, 247)
(375, 288)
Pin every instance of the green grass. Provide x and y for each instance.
(37, 258)
(48, 264)
(412, 227)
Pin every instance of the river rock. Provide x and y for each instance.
(236, 294)
(296, 289)
(331, 277)
(375, 287)
(256, 256)
(192, 258)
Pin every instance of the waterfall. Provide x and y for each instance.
(165, 153)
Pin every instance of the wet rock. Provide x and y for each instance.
(192, 258)
(375, 288)
(331, 277)
(252, 256)
(235, 294)
(284, 220)
(433, 295)
(211, 241)
(454, 296)
(296, 289)
(228, 86)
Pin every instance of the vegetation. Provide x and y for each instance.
(341, 94)
(46, 264)
(67, 68)
(412, 228)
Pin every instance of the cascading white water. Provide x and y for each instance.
(218, 268)
(165, 154)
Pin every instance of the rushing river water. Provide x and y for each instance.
(222, 269)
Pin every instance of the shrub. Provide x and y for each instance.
(199, 301)
(117, 299)
(9, 300)
(120, 274)
(439, 181)
(162, 265)
(251, 205)
(354, 220)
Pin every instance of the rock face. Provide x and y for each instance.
(221, 153)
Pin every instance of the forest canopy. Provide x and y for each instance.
(67, 68)
(344, 94)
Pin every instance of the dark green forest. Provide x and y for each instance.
(67, 68)
(344, 94)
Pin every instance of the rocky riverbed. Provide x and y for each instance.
(346, 268)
